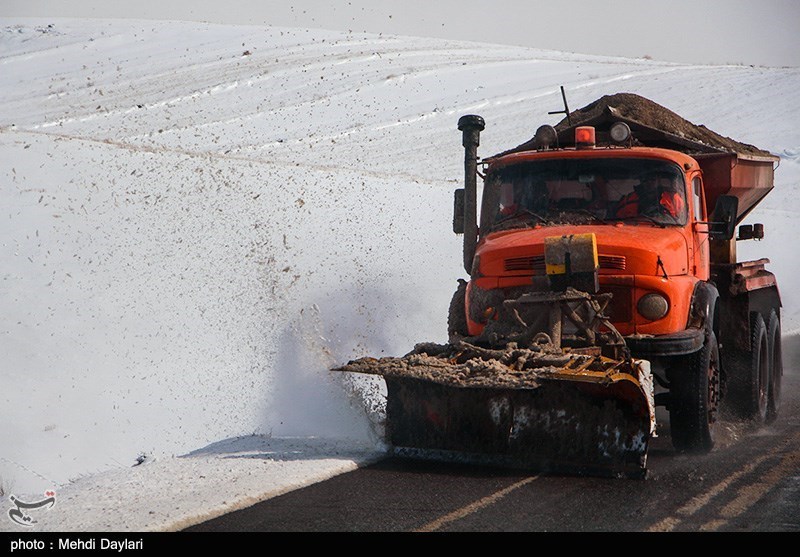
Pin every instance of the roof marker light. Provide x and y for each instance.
(620, 132)
(545, 137)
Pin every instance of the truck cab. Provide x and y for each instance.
(650, 227)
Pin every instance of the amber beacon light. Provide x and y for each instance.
(584, 137)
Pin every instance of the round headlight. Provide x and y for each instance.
(653, 306)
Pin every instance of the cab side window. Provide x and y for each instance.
(697, 198)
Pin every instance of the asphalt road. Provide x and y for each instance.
(750, 482)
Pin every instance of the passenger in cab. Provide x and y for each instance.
(658, 193)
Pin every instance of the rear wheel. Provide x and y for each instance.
(694, 399)
(775, 364)
(748, 381)
(457, 316)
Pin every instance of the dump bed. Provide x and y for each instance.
(748, 177)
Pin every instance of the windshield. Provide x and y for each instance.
(583, 191)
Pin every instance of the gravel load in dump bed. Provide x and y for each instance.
(653, 126)
(651, 114)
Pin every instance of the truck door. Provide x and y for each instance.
(700, 228)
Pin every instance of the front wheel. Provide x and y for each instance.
(694, 399)
(457, 315)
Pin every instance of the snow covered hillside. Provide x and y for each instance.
(198, 221)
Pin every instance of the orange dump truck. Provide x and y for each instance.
(603, 278)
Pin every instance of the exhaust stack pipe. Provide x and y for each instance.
(471, 127)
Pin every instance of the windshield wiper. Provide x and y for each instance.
(590, 214)
(521, 213)
(649, 218)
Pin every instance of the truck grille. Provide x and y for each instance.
(536, 264)
(616, 262)
(620, 310)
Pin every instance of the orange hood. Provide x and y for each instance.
(622, 249)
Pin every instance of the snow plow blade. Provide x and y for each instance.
(550, 412)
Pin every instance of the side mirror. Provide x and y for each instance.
(722, 224)
(458, 211)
